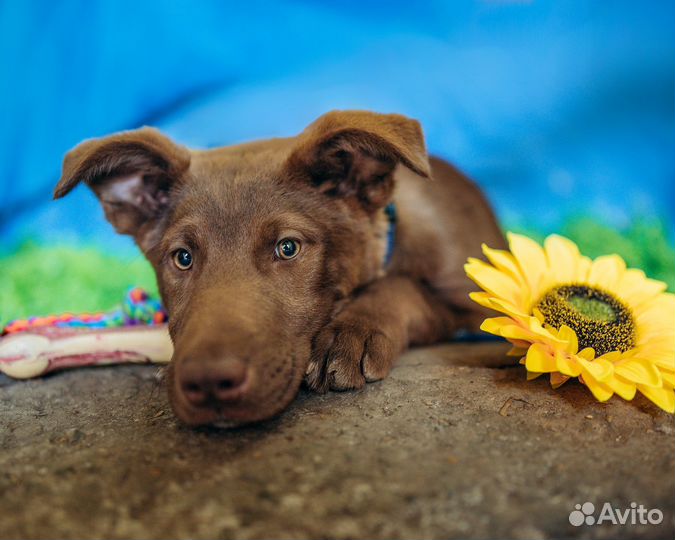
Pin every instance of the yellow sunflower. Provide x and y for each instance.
(570, 316)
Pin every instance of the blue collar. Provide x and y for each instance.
(390, 211)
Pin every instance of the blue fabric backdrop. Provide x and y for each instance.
(553, 107)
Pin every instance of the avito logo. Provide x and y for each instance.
(584, 514)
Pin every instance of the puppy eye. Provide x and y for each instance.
(182, 258)
(287, 249)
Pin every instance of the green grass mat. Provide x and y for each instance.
(40, 280)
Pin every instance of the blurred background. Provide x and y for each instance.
(563, 112)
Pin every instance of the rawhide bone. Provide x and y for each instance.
(32, 353)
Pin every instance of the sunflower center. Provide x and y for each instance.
(599, 319)
(593, 308)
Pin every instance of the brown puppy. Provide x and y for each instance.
(272, 257)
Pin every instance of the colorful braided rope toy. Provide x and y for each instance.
(136, 309)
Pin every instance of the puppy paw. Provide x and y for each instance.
(348, 353)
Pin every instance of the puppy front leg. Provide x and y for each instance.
(362, 342)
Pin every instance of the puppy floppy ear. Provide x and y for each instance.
(354, 154)
(132, 173)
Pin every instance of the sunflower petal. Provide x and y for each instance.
(566, 365)
(613, 356)
(639, 371)
(498, 304)
(606, 272)
(598, 369)
(587, 353)
(544, 333)
(538, 359)
(626, 389)
(531, 261)
(504, 261)
(660, 310)
(531, 375)
(584, 265)
(601, 391)
(481, 298)
(569, 336)
(562, 255)
(507, 328)
(663, 397)
(494, 325)
(517, 352)
(635, 288)
(668, 377)
(493, 281)
(663, 362)
(558, 379)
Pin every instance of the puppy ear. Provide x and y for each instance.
(132, 173)
(354, 154)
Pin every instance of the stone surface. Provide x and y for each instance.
(451, 445)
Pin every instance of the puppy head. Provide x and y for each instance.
(254, 246)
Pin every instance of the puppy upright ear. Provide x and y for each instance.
(354, 154)
(132, 173)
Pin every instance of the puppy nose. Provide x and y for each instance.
(212, 382)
